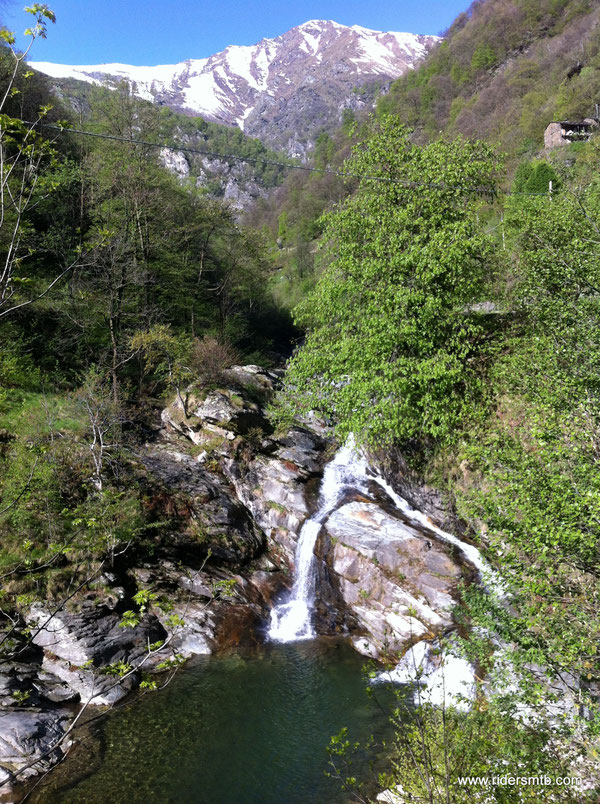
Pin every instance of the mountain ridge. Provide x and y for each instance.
(283, 90)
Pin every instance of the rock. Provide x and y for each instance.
(197, 635)
(214, 615)
(52, 688)
(211, 516)
(78, 645)
(396, 796)
(28, 736)
(273, 491)
(268, 476)
(91, 687)
(397, 582)
(303, 448)
(225, 412)
(25, 683)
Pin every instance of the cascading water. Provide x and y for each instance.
(488, 577)
(292, 621)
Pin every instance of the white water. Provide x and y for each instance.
(488, 577)
(442, 678)
(292, 621)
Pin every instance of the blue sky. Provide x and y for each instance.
(154, 32)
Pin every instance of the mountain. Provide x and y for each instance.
(505, 69)
(283, 90)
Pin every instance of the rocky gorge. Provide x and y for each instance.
(239, 492)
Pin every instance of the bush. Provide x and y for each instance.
(211, 358)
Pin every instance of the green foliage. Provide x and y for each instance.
(535, 177)
(391, 348)
(436, 746)
(537, 455)
(483, 57)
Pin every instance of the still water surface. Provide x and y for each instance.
(245, 728)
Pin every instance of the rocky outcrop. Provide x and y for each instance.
(215, 609)
(397, 582)
(214, 520)
(270, 477)
(78, 646)
(31, 741)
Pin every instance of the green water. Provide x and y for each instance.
(244, 728)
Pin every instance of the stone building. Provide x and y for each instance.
(566, 131)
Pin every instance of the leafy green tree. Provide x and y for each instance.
(167, 357)
(535, 177)
(392, 345)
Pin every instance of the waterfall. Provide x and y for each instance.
(490, 579)
(292, 621)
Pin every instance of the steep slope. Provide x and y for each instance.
(505, 69)
(282, 90)
(250, 171)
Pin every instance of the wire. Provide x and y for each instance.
(285, 165)
(258, 160)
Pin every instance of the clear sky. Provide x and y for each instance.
(166, 32)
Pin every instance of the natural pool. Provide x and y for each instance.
(244, 728)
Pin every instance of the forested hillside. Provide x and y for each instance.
(119, 283)
(459, 327)
(505, 69)
(238, 182)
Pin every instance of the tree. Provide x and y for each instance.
(167, 357)
(391, 348)
(25, 156)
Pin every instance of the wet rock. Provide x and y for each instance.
(273, 491)
(397, 583)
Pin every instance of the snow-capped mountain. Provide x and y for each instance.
(282, 89)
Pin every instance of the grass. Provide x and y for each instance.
(30, 414)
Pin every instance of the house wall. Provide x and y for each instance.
(553, 135)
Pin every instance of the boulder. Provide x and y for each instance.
(397, 582)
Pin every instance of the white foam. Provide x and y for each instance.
(440, 678)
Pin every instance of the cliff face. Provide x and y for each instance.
(283, 90)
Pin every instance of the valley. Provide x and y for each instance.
(299, 483)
